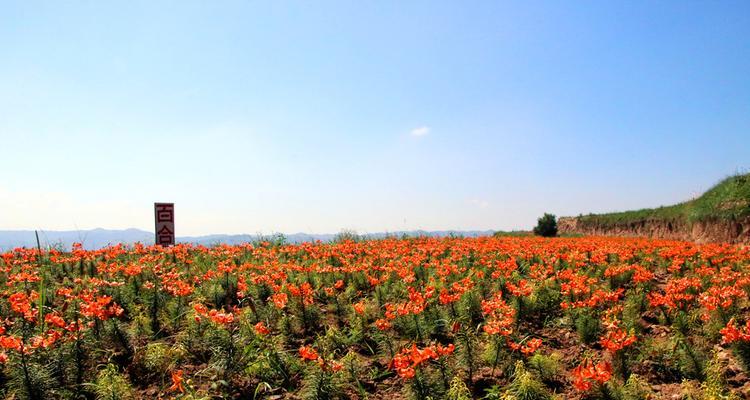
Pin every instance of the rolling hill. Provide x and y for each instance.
(721, 214)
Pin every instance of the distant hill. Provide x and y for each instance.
(729, 199)
(98, 238)
(93, 239)
(721, 214)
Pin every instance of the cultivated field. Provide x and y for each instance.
(500, 318)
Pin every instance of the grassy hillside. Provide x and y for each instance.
(729, 199)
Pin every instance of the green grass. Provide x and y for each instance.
(727, 200)
(513, 233)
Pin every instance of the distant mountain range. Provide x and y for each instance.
(98, 238)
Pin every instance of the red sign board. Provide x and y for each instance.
(164, 217)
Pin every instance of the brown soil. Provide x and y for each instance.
(716, 231)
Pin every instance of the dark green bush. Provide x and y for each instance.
(546, 226)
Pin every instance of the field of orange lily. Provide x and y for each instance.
(452, 318)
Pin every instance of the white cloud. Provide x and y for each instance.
(421, 131)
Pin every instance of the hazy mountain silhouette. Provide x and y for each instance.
(98, 238)
(92, 239)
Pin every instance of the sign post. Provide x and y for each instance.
(164, 217)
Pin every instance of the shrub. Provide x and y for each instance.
(159, 357)
(30, 381)
(321, 385)
(346, 235)
(637, 388)
(525, 386)
(458, 390)
(691, 359)
(742, 352)
(588, 328)
(546, 226)
(112, 385)
(544, 303)
(467, 351)
(546, 367)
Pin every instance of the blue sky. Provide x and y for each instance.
(373, 116)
